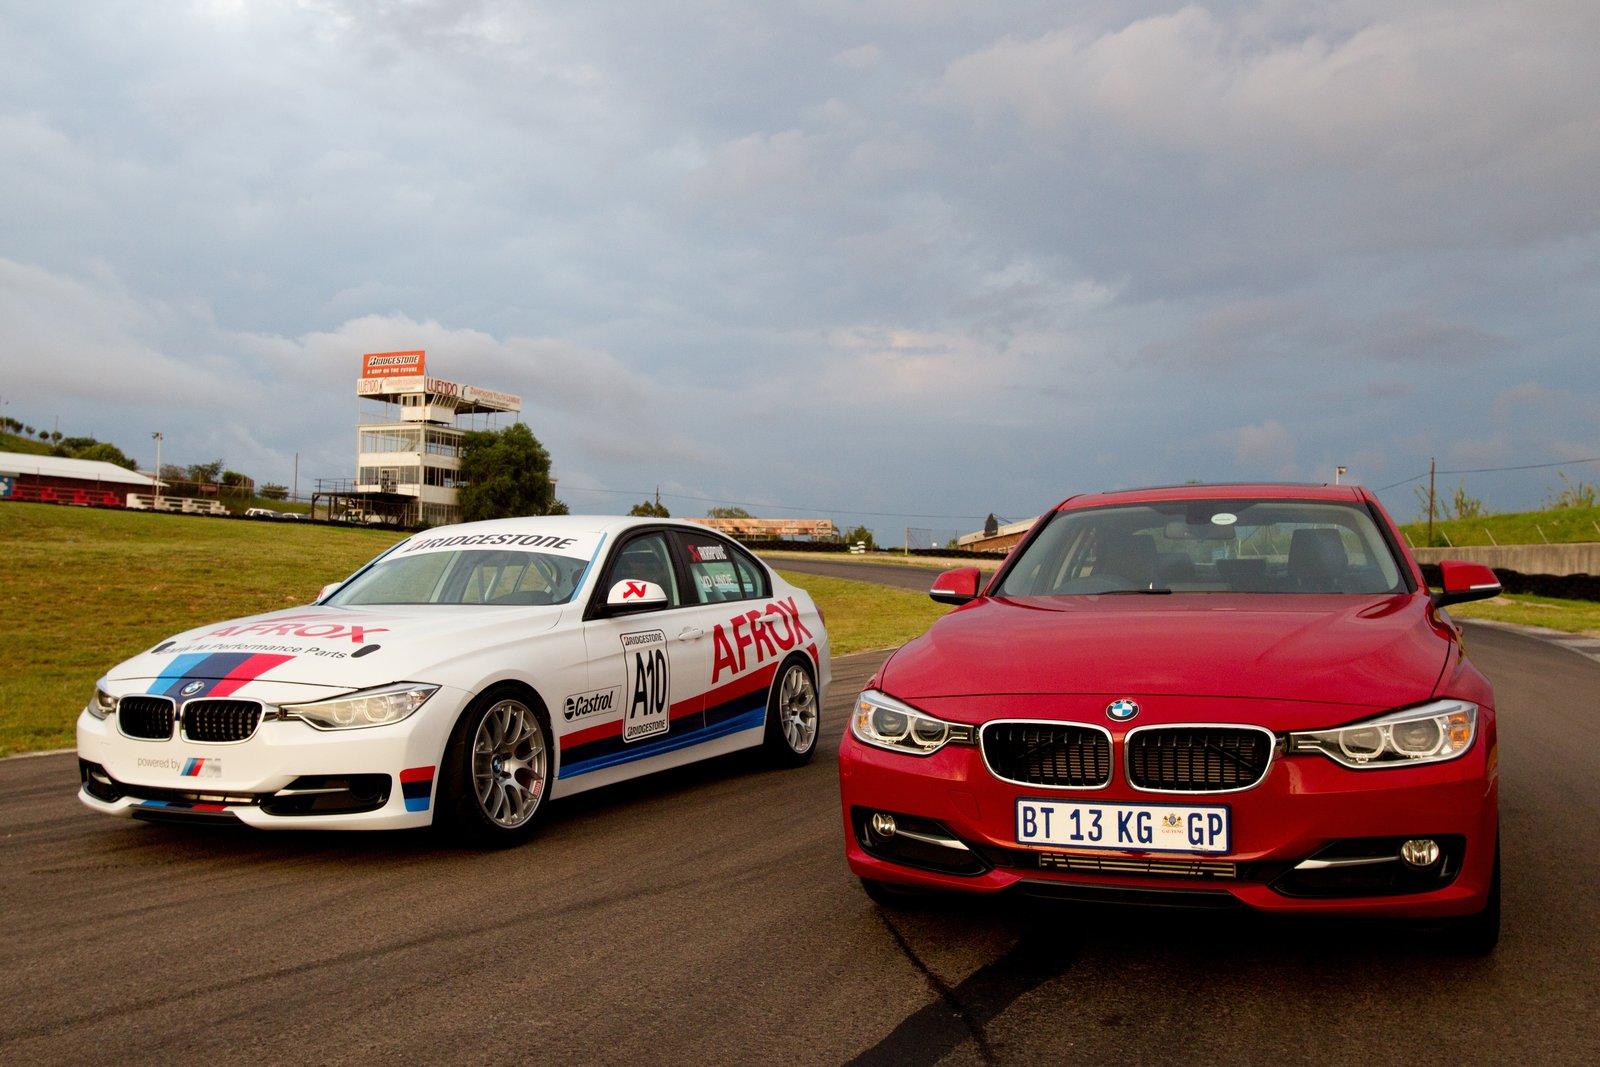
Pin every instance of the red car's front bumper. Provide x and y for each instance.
(1305, 804)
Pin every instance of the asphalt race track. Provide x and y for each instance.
(707, 916)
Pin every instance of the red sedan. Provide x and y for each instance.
(1212, 696)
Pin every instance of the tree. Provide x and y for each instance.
(507, 474)
(558, 507)
(171, 472)
(1463, 506)
(861, 533)
(728, 513)
(205, 472)
(105, 453)
(274, 491)
(651, 509)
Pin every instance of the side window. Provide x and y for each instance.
(752, 576)
(645, 559)
(712, 571)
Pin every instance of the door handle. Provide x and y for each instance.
(691, 633)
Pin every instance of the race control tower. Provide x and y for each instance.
(408, 440)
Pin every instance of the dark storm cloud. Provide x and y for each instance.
(1007, 251)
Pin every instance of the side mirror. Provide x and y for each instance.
(956, 587)
(327, 591)
(1462, 581)
(630, 595)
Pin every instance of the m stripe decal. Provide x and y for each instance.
(220, 674)
(749, 718)
(416, 784)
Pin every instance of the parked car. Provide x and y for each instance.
(1218, 696)
(464, 678)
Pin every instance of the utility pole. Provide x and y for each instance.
(158, 439)
(1430, 501)
(1338, 473)
(294, 493)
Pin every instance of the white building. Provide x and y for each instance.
(408, 458)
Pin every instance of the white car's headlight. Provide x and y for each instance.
(1431, 733)
(102, 704)
(369, 707)
(887, 723)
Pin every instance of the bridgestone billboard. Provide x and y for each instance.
(392, 364)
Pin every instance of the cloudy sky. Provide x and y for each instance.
(886, 257)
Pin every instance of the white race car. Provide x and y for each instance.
(465, 677)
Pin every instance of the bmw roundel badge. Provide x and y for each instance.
(192, 688)
(1121, 710)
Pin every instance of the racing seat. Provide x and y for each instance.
(642, 563)
(1131, 559)
(1318, 562)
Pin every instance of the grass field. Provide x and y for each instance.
(11, 442)
(862, 616)
(82, 589)
(1555, 526)
(1571, 616)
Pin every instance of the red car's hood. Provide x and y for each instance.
(1379, 651)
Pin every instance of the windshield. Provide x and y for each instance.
(466, 576)
(1207, 546)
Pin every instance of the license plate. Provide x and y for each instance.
(1129, 827)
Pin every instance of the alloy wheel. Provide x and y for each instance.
(797, 709)
(509, 762)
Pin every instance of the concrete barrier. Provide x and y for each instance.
(1582, 557)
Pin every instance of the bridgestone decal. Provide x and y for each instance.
(649, 685)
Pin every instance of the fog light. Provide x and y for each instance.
(1420, 852)
(883, 824)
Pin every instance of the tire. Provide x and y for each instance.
(1477, 935)
(497, 768)
(794, 715)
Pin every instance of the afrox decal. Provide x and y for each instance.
(766, 634)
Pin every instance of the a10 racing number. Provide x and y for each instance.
(649, 685)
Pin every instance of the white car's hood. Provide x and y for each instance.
(342, 647)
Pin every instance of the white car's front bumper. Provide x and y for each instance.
(249, 780)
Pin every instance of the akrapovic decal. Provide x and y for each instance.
(649, 685)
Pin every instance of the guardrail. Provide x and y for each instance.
(1577, 557)
(841, 548)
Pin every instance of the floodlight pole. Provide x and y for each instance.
(158, 439)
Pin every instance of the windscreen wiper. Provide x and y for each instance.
(1150, 590)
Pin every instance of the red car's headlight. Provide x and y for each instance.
(1431, 733)
(885, 722)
